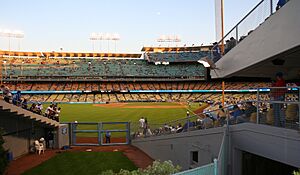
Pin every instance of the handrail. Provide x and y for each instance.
(210, 111)
(243, 19)
(222, 145)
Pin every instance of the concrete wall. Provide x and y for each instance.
(178, 147)
(279, 144)
(63, 136)
(282, 145)
(277, 34)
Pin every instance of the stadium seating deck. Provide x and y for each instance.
(176, 56)
(100, 68)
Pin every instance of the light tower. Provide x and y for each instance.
(104, 37)
(6, 33)
(169, 39)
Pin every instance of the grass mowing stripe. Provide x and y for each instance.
(78, 163)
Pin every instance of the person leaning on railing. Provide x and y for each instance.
(221, 115)
(216, 52)
(278, 94)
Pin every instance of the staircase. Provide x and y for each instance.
(4, 106)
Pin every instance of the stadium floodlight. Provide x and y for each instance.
(169, 39)
(104, 37)
(12, 34)
(208, 63)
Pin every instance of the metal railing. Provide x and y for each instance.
(209, 169)
(278, 106)
(205, 120)
(283, 100)
(275, 106)
(253, 19)
(222, 160)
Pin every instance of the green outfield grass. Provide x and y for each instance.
(91, 113)
(79, 163)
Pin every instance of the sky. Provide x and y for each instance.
(49, 25)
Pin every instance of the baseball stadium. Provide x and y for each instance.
(227, 107)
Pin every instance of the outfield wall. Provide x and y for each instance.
(179, 147)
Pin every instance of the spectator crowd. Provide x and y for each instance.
(51, 112)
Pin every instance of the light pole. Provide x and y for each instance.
(116, 37)
(93, 38)
(19, 35)
(169, 39)
(104, 37)
(4, 62)
(22, 68)
(12, 34)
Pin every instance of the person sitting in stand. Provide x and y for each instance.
(188, 125)
(48, 110)
(235, 113)
(207, 122)
(33, 108)
(250, 108)
(221, 115)
(6, 93)
(39, 108)
(56, 115)
(24, 104)
(179, 128)
(17, 98)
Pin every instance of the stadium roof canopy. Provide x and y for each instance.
(176, 49)
(66, 54)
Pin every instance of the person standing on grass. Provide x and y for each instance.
(107, 137)
(142, 124)
(145, 129)
(50, 139)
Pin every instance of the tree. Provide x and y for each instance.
(157, 168)
(297, 172)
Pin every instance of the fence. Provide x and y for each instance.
(278, 106)
(96, 134)
(193, 122)
(261, 12)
